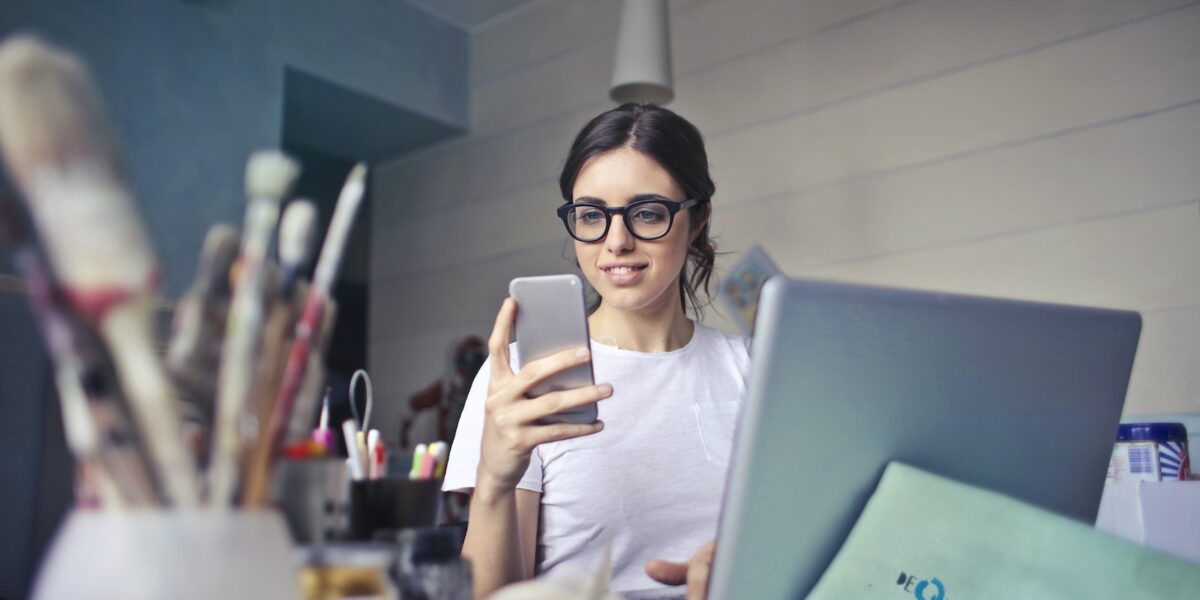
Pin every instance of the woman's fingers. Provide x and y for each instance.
(541, 434)
(694, 572)
(542, 369)
(498, 343)
(667, 572)
(509, 433)
(529, 411)
(697, 582)
(698, 570)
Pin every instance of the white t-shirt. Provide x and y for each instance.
(652, 479)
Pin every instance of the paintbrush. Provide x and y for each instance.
(269, 175)
(297, 235)
(309, 328)
(61, 154)
(297, 229)
(194, 353)
(96, 424)
(259, 462)
(296, 284)
(308, 397)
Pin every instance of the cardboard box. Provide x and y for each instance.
(1164, 515)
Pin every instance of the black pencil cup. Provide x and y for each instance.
(381, 507)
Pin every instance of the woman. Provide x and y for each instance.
(648, 477)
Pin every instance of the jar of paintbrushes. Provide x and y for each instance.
(164, 518)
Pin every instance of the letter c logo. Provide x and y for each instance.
(937, 583)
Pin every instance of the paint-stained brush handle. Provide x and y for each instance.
(97, 426)
(308, 327)
(269, 176)
(194, 353)
(61, 154)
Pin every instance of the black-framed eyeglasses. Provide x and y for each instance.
(646, 219)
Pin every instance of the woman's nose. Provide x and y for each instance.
(619, 239)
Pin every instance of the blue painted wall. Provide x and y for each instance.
(194, 87)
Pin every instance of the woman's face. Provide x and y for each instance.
(631, 274)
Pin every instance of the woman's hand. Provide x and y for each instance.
(694, 572)
(510, 432)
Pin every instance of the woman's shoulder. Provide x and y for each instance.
(736, 345)
(720, 335)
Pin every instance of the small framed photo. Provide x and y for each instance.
(739, 287)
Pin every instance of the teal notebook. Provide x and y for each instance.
(926, 537)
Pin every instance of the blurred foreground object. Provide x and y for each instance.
(331, 572)
(114, 469)
(429, 565)
(946, 539)
(184, 555)
(59, 149)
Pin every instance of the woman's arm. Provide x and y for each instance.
(503, 522)
(501, 538)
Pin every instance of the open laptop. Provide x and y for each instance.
(1017, 397)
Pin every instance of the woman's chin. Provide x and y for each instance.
(631, 299)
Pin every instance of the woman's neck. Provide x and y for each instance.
(661, 329)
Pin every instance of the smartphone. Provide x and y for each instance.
(550, 318)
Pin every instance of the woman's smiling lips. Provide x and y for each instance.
(623, 274)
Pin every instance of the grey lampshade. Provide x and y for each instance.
(642, 71)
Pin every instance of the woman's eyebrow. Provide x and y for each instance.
(634, 198)
(640, 197)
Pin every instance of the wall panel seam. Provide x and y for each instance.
(824, 106)
(848, 180)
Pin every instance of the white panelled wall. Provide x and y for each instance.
(1038, 149)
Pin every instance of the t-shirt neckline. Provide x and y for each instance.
(610, 349)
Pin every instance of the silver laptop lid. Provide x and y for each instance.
(1018, 397)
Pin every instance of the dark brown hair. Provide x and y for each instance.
(676, 145)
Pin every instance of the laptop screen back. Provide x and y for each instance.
(1018, 397)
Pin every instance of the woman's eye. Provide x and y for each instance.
(590, 216)
(647, 216)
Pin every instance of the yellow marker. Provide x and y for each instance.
(418, 456)
(441, 450)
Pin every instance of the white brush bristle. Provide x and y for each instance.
(220, 250)
(269, 174)
(296, 232)
(50, 111)
(61, 153)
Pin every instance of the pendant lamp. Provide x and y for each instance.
(642, 71)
